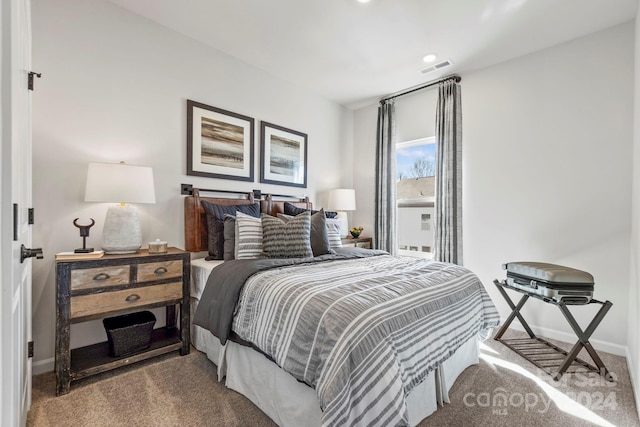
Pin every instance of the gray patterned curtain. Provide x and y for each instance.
(448, 203)
(385, 219)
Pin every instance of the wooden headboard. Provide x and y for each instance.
(196, 233)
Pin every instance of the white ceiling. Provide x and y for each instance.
(352, 53)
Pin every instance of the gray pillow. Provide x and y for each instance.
(215, 223)
(229, 237)
(290, 239)
(318, 236)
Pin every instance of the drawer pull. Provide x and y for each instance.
(160, 270)
(101, 276)
(132, 298)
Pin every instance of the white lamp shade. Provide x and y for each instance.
(119, 183)
(342, 199)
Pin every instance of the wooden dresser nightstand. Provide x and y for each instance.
(360, 242)
(90, 289)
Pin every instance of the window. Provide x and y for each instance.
(416, 168)
(426, 222)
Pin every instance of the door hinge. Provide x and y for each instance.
(31, 218)
(30, 348)
(30, 83)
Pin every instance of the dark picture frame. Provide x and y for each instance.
(220, 143)
(283, 154)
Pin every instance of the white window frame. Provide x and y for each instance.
(421, 200)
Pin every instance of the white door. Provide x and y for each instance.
(15, 176)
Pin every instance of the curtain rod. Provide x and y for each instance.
(454, 77)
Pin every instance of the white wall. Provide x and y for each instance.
(416, 115)
(364, 167)
(633, 336)
(114, 87)
(546, 171)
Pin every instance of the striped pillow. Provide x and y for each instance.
(333, 232)
(248, 237)
(318, 237)
(287, 239)
(215, 223)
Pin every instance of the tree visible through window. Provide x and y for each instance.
(424, 163)
(416, 168)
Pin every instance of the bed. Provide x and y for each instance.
(286, 334)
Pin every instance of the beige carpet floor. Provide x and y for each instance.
(502, 390)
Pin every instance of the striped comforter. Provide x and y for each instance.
(363, 332)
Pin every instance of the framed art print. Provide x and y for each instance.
(283, 155)
(219, 143)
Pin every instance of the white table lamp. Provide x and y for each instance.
(120, 183)
(341, 200)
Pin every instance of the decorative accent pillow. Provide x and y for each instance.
(248, 237)
(215, 223)
(229, 245)
(319, 238)
(290, 209)
(333, 232)
(287, 240)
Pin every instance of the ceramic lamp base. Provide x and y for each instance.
(344, 224)
(121, 233)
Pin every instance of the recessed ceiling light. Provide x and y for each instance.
(430, 57)
(364, 1)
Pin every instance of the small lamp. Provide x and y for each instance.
(110, 182)
(341, 200)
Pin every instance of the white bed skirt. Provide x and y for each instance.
(289, 402)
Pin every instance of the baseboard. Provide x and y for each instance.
(634, 380)
(606, 346)
(42, 366)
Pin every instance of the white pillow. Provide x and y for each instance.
(248, 237)
(333, 231)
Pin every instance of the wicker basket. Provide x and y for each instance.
(129, 333)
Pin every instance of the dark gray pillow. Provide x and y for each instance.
(290, 239)
(215, 223)
(229, 237)
(290, 209)
(319, 237)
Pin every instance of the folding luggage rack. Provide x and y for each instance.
(542, 353)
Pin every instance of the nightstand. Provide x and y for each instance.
(360, 242)
(90, 289)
